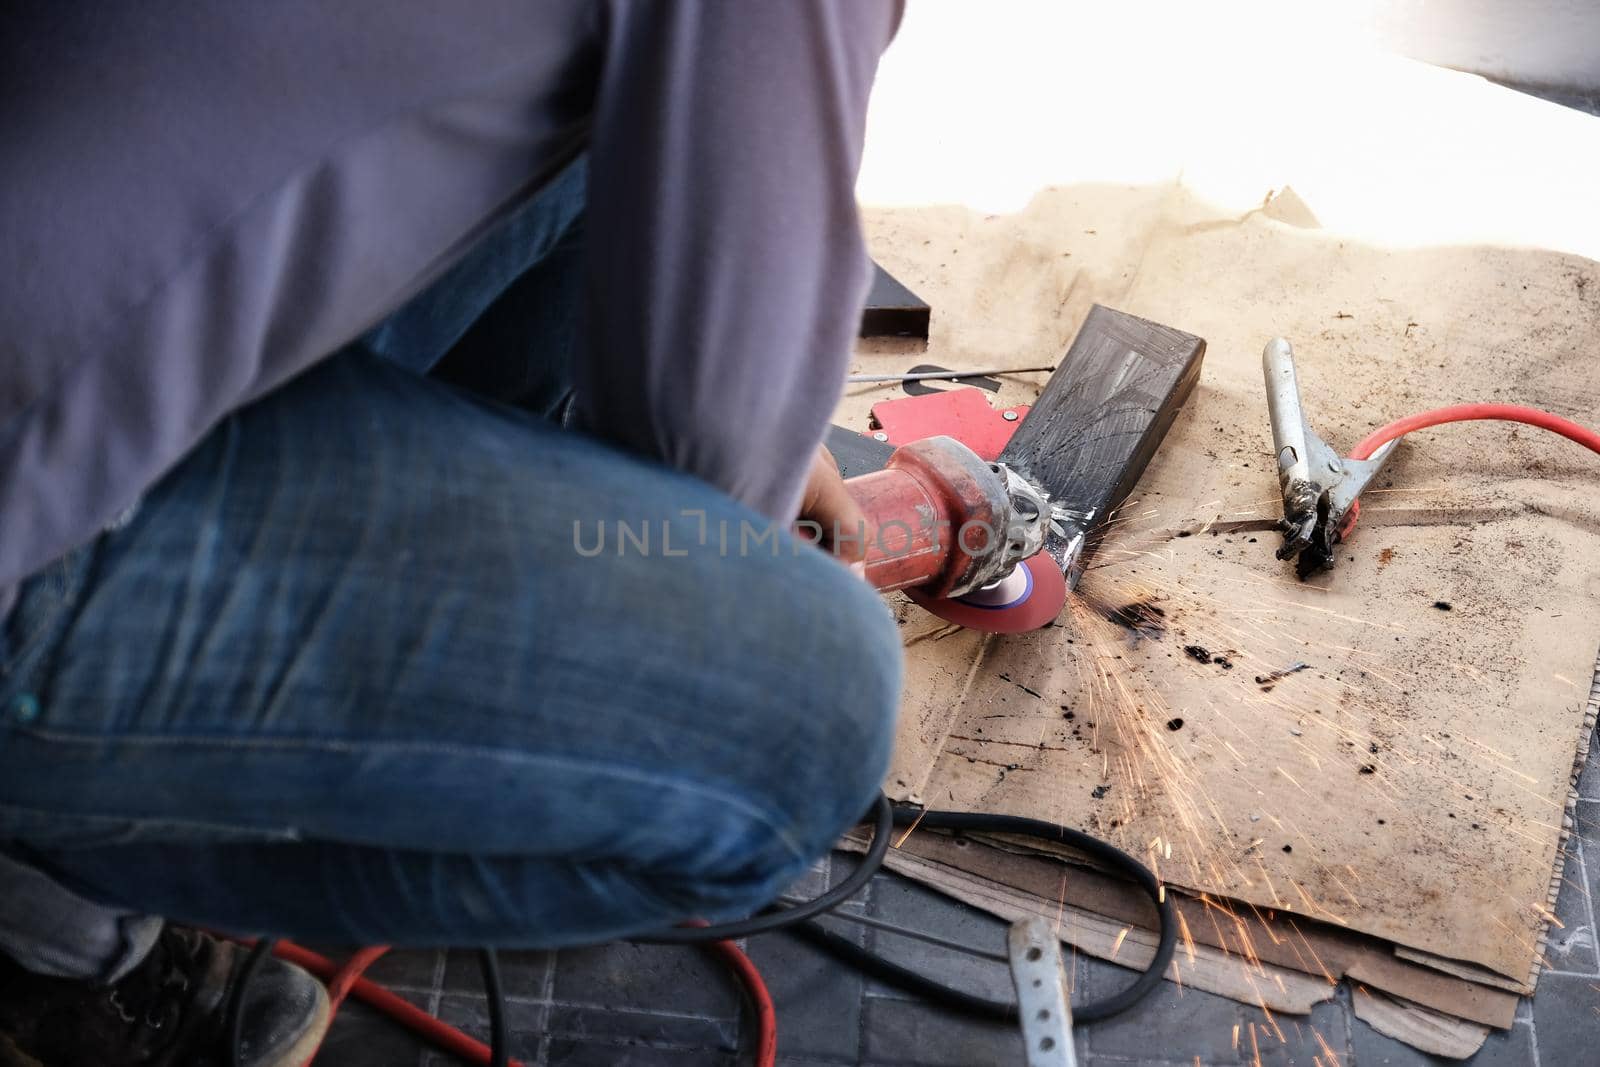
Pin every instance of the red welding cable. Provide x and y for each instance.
(439, 1034)
(345, 980)
(744, 969)
(353, 968)
(766, 1045)
(1467, 413)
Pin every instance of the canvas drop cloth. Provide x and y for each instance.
(1412, 781)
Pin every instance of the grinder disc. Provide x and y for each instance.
(1031, 596)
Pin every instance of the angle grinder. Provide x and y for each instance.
(961, 537)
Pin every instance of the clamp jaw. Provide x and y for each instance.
(1319, 486)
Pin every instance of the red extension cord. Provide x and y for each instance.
(345, 980)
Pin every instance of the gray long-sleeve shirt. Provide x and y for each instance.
(199, 200)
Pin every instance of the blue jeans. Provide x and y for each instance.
(354, 671)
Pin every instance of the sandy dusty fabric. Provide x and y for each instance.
(1411, 781)
(1420, 236)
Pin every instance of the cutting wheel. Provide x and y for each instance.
(1031, 596)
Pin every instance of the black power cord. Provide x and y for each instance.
(775, 919)
(885, 970)
(797, 920)
(489, 964)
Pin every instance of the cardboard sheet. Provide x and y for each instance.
(1267, 986)
(1411, 781)
(1246, 947)
(1441, 1035)
(1420, 236)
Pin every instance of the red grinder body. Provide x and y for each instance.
(936, 515)
(961, 536)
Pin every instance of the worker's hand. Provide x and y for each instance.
(829, 505)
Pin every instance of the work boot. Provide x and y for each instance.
(170, 1011)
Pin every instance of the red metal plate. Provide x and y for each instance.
(963, 413)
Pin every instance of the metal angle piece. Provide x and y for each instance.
(892, 310)
(1034, 954)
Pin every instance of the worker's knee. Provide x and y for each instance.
(850, 716)
(844, 690)
(822, 740)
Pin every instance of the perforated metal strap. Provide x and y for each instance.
(1046, 1014)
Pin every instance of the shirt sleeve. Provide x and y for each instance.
(726, 267)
